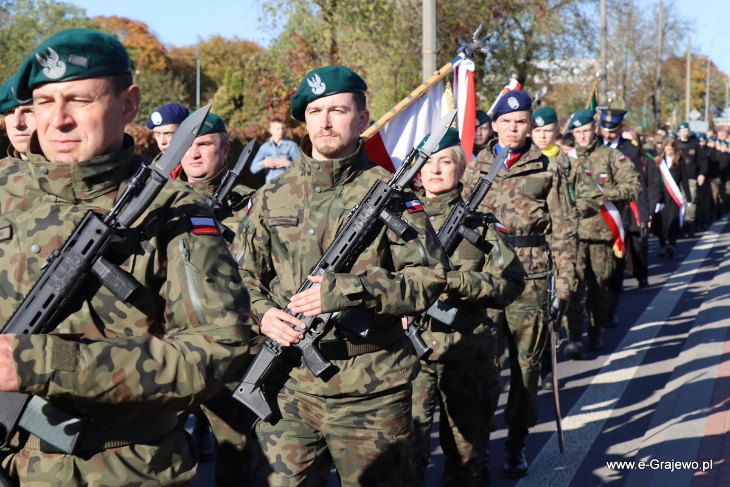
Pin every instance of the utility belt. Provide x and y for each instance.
(356, 345)
(526, 240)
(93, 438)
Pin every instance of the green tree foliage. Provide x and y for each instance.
(27, 23)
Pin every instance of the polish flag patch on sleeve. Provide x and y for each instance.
(588, 172)
(501, 228)
(249, 205)
(414, 206)
(204, 225)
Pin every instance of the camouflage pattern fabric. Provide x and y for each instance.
(523, 324)
(231, 424)
(530, 199)
(586, 195)
(461, 372)
(596, 263)
(617, 177)
(467, 392)
(291, 221)
(689, 215)
(169, 349)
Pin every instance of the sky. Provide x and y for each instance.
(183, 22)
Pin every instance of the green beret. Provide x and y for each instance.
(7, 95)
(450, 139)
(482, 118)
(545, 116)
(322, 82)
(713, 138)
(69, 55)
(683, 125)
(213, 124)
(582, 117)
(702, 136)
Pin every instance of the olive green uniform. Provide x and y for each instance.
(532, 201)
(127, 368)
(460, 373)
(361, 416)
(620, 183)
(231, 423)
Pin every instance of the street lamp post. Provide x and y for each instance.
(197, 80)
(707, 88)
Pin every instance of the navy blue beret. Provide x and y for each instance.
(167, 114)
(611, 118)
(514, 101)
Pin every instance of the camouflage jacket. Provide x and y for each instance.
(293, 219)
(532, 199)
(12, 158)
(177, 340)
(615, 174)
(490, 277)
(232, 213)
(585, 194)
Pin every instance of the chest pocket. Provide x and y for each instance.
(534, 187)
(286, 224)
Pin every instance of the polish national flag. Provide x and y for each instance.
(392, 143)
(613, 219)
(466, 104)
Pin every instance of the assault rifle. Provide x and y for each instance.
(227, 184)
(450, 235)
(362, 222)
(67, 272)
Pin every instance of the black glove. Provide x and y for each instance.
(644, 231)
(557, 310)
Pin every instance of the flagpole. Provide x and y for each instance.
(593, 91)
(413, 96)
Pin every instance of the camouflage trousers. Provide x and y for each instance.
(523, 324)
(717, 201)
(595, 265)
(231, 423)
(467, 392)
(370, 439)
(166, 460)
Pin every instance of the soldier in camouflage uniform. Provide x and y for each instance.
(620, 183)
(129, 368)
(530, 198)
(361, 416)
(461, 373)
(19, 121)
(204, 167)
(585, 194)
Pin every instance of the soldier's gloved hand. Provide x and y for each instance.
(557, 310)
(644, 231)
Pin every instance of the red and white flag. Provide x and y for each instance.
(392, 143)
(466, 104)
(613, 219)
(673, 190)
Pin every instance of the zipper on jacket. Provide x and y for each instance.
(190, 271)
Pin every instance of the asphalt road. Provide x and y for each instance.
(609, 398)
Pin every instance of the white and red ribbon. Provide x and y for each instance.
(613, 219)
(673, 190)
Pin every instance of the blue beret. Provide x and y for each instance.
(451, 138)
(545, 116)
(325, 81)
(514, 101)
(582, 117)
(611, 118)
(167, 114)
(213, 123)
(683, 125)
(482, 118)
(7, 95)
(69, 55)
